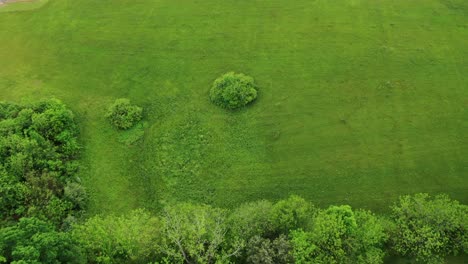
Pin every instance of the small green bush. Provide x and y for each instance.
(124, 115)
(233, 90)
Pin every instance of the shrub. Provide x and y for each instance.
(233, 90)
(124, 115)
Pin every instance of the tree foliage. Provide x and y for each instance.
(252, 219)
(339, 235)
(291, 213)
(266, 251)
(429, 229)
(233, 90)
(123, 115)
(35, 241)
(196, 234)
(130, 238)
(38, 156)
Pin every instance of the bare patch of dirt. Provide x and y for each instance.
(5, 2)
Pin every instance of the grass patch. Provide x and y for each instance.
(134, 134)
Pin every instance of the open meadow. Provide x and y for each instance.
(360, 101)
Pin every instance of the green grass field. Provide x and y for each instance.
(360, 100)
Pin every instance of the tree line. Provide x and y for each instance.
(423, 228)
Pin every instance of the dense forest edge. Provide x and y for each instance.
(42, 205)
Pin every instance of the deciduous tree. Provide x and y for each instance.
(429, 229)
(131, 238)
(34, 241)
(197, 234)
(339, 235)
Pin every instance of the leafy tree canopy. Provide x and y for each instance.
(266, 251)
(291, 213)
(340, 235)
(38, 157)
(35, 241)
(197, 234)
(429, 229)
(119, 239)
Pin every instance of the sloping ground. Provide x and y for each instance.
(360, 101)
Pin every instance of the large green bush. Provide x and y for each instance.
(233, 90)
(123, 115)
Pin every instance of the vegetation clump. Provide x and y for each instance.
(233, 90)
(32, 240)
(429, 228)
(38, 160)
(340, 235)
(123, 115)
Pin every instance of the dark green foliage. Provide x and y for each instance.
(264, 224)
(265, 251)
(119, 239)
(233, 90)
(340, 235)
(12, 195)
(38, 152)
(38, 138)
(34, 241)
(429, 229)
(123, 115)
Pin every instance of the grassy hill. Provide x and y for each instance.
(360, 101)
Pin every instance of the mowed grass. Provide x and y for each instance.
(360, 101)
